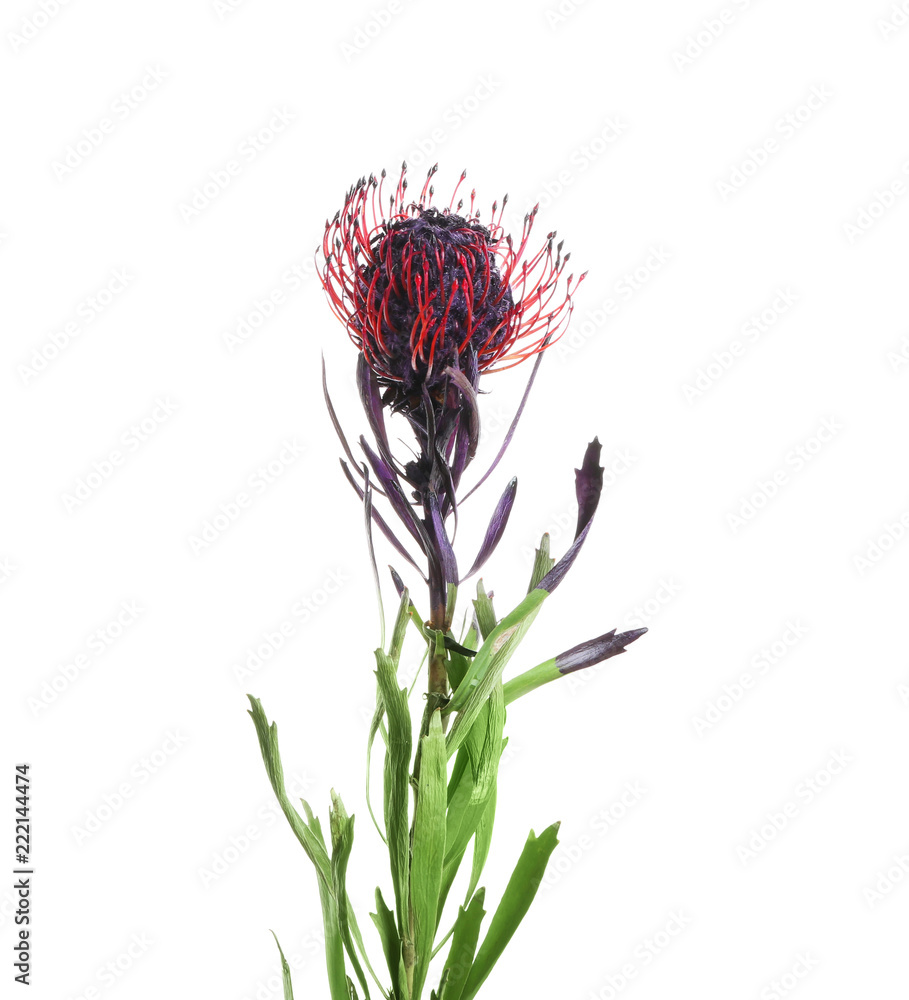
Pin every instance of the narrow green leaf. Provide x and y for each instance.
(463, 948)
(342, 832)
(374, 725)
(334, 946)
(542, 562)
(477, 783)
(428, 848)
(452, 600)
(501, 638)
(458, 663)
(384, 919)
(405, 613)
(486, 616)
(531, 679)
(268, 744)
(487, 666)
(397, 784)
(483, 839)
(519, 894)
(285, 971)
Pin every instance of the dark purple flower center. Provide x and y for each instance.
(433, 290)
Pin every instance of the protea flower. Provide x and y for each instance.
(423, 290)
(434, 299)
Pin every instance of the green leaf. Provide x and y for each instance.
(476, 786)
(542, 562)
(374, 725)
(486, 616)
(342, 827)
(530, 680)
(483, 838)
(487, 666)
(268, 744)
(458, 663)
(519, 894)
(452, 600)
(428, 848)
(397, 785)
(384, 920)
(405, 613)
(334, 946)
(285, 971)
(463, 948)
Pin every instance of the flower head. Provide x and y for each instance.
(425, 290)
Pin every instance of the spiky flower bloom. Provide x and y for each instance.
(423, 289)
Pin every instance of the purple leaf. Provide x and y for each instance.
(496, 528)
(381, 523)
(337, 426)
(588, 484)
(442, 545)
(370, 395)
(588, 487)
(397, 581)
(586, 654)
(471, 409)
(389, 480)
(514, 424)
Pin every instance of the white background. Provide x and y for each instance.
(640, 131)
